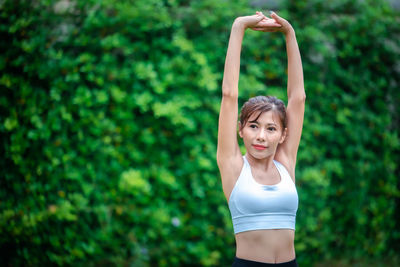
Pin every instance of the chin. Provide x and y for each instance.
(259, 155)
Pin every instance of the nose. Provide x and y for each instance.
(261, 135)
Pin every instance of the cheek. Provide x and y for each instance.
(246, 136)
(276, 138)
(282, 137)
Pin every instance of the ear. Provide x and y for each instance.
(283, 137)
(240, 131)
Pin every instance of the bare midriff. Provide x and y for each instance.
(270, 246)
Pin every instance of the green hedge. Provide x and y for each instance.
(109, 116)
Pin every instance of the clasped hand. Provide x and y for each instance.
(259, 22)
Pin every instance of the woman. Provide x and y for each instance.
(259, 186)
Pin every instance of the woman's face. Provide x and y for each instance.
(262, 135)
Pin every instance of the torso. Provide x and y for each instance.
(270, 246)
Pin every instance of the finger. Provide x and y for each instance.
(260, 18)
(275, 16)
(264, 29)
(269, 23)
(271, 20)
(259, 13)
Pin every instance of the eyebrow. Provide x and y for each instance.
(274, 124)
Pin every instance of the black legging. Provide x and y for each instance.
(247, 263)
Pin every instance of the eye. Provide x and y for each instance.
(253, 126)
(271, 129)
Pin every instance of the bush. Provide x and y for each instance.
(109, 122)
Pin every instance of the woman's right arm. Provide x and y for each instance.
(229, 158)
(228, 147)
(228, 152)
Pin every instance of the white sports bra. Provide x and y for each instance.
(255, 206)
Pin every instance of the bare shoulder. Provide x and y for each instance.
(230, 169)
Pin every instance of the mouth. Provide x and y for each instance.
(259, 147)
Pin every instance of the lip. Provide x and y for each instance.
(259, 147)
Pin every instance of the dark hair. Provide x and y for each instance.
(262, 104)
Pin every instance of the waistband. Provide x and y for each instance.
(263, 221)
(238, 262)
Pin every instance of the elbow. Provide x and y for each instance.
(303, 97)
(228, 92)
(299, 97)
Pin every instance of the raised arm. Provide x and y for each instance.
(227, 141)
(229, 158)
(287, 151)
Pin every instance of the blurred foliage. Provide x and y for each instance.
(109, 116)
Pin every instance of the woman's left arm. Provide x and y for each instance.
(287, 151)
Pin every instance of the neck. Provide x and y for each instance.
(264, 163)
